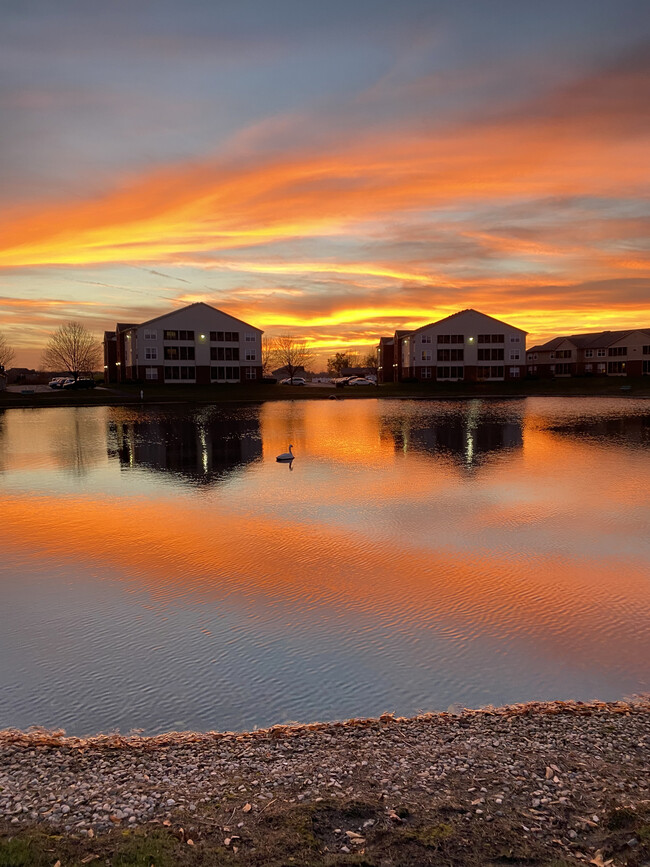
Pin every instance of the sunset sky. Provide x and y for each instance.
(334, 170)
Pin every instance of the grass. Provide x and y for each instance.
(159, 394)
(314, 835)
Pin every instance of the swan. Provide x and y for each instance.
(287, 456)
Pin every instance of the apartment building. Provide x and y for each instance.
(197, 344)
(604, 353)
(467, 345)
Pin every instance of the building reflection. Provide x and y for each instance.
(200, 450)
(631, 430)
(468, 437)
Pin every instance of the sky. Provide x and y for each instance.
(331, 170)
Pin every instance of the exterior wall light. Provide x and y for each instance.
(471, 339)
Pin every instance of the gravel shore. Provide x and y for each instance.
(541, 783)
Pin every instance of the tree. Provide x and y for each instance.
(72, 348)
(6, 353)
(268, 355)
(340, 360)
(370, 361)
(291, 352)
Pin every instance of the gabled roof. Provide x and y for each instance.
(597, 340)
(207, 307)
(460, 313)
(124, 326)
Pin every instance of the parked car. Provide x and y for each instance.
(75, 384)
(57, 382)
(360, 380)
(294, 380)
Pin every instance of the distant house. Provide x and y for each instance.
(603, 353)
(196, 344)
(467, 345)
(283, 372)
(23, 376)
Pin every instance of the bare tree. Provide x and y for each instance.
(268, 355)
(292, 352)
(73, 348)
(340, 360)
(6, 353)
(370, 361)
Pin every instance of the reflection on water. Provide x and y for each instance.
(467, 432)
(201, 448)
(160, 570)
(631, 431)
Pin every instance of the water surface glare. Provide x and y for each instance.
(159, 570)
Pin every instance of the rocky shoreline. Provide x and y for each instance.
(539, 783)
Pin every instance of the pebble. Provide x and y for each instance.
(603, 757)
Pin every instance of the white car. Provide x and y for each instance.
(295, 380)
(360, 380)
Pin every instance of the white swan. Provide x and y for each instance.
(287, 456)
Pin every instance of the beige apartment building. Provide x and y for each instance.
(604, 353)
(467, 345)
(197, 344)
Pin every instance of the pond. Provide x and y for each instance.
(159, 569)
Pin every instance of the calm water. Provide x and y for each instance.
(160, 570)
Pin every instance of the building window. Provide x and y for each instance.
(588, 368)
(224, 336)
(179, 353)
(646, 350)
(224, 353)
(151, 373)
(492, 338)
(151, 354)
(425, 373)
(514, 340)
(514, 356)
(451, 338)
(449, 373)
(176, 372)
(490, 355)
(426, 338)
(426, 355)
(616, 367)
(646, 368)
(250, 338)
(552, 355)
(601, 353)
(451, 355)
(589, 353)
(251, 373)
(514, 373)
(562, 369)
(251, 355)
(178, 335)
(532, 356)
(224, 373)
(602, 368)
(617, 350)
(563, 353)
(533, 368)
(150, 335)
(486, 372)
